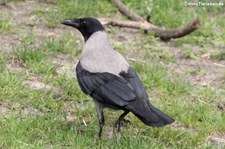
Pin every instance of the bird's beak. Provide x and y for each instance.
(71, 22)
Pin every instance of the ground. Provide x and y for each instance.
(40, 95)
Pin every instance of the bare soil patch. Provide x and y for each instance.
(218, 140)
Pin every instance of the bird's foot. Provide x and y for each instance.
(116, 127)
(119, 123)
(125, 121)
(121, 119)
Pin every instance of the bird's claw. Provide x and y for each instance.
(120, 123)
(125, 121)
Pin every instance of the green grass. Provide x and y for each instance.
(48, 126)
(187, 53)
(220, 55)
(44, 118)
(74, 8)
(37, 57)
(6, 23)
(5, 26)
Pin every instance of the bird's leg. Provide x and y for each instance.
(101, 124)
(121, 118)
(99, 109)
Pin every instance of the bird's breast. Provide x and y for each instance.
(98, 56)
(104, 61)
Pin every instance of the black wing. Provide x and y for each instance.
(105, 87)
(123, 92)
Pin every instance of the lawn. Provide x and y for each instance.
(42, 106)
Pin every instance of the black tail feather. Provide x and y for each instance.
(162, 118)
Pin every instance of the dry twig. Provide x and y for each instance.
(127, 12)
(164, 34)
(140, 23)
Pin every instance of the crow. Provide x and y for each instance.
(106, 76)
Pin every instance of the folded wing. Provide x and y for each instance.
(105, 87)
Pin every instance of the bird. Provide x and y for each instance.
(105, 75)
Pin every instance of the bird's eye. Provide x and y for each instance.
(83, 22)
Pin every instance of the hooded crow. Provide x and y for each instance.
(106, 76)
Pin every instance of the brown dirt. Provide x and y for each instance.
(213, 71)
(218, 140)
(65, 65)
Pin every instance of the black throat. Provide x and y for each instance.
(87, 32)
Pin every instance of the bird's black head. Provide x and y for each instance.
(87, 26)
